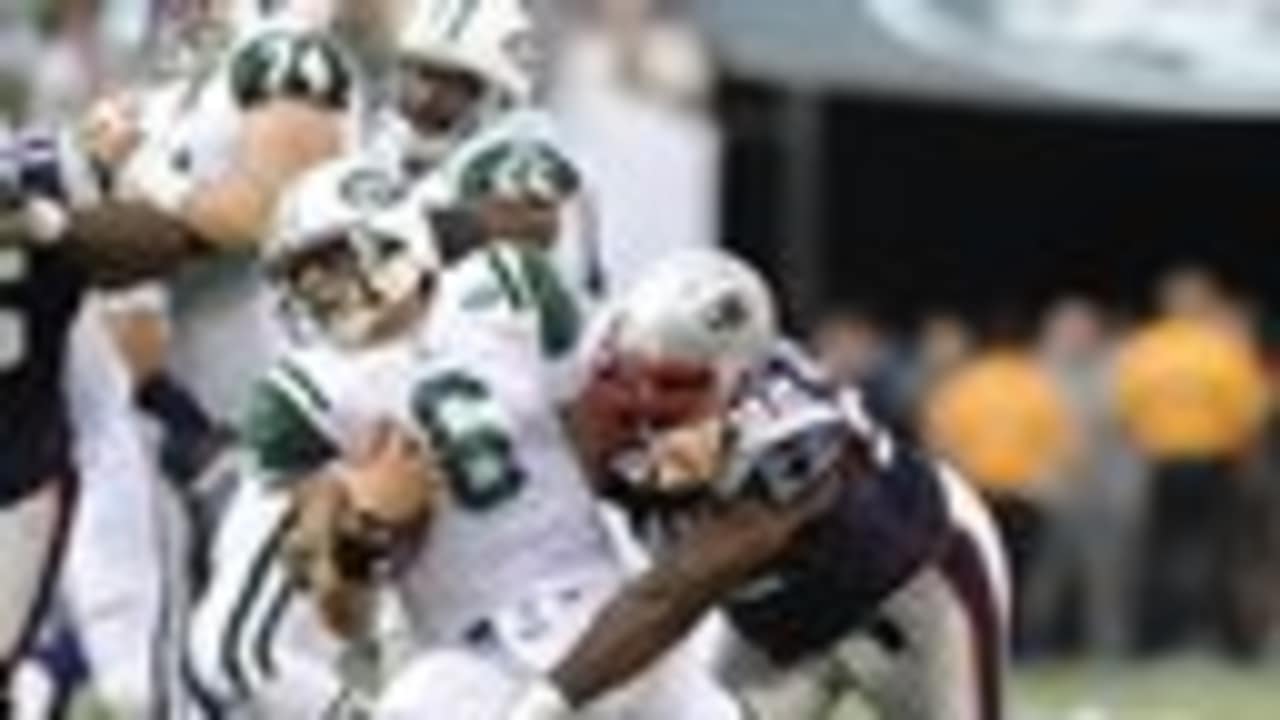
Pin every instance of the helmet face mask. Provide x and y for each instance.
(350, 257)
(440, 102)
(683, 341)
(352, 285)
(486, 52)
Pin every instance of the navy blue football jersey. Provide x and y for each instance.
(793, 429)
(40, 294)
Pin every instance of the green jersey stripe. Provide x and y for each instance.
(507, 279)
(305, 384)
(465, 12)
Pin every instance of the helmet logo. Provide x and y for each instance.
(370, 189)
(728, 314)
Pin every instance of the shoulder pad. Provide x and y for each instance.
(521, 154)
(283, 63)
(283, 429)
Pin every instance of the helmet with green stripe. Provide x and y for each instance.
(462, 62)
(351, 256)
(496, 40)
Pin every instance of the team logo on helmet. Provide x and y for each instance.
(370, 189)
(728, 314)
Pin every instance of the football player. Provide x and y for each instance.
(453, 87)
(356, 270)
(199, 171)
(128, 573)
(470, 125)
(54, 245)
(276, 91)
(467, 363)
(843, 556)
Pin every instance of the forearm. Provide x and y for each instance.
(120, 244)
(659, 609)
(635, 630)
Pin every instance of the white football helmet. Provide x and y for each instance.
(493, 42)
(496, 40)
(703, 306)
(349, 250)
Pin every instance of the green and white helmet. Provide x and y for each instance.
(495, 40)
(349, 250)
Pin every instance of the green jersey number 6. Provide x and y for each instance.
(461, 416)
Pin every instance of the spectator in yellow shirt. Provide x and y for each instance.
(1191, 394)
(1003, 421)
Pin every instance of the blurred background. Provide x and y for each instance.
(1038, 233)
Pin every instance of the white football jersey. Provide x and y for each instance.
(483, 380)
(318, 402)
(226, 327)
(522, 513)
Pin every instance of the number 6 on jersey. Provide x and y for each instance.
(464, 420)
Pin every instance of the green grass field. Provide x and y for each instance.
(1185, 689)
(1188, 689)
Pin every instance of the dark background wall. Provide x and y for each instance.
(924, 206)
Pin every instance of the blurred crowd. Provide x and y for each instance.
(1132, 462)
(56, 55)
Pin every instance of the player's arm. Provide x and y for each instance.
(387, 476)
(516, 191)
(351, 510)
(120, 244)
(656, 611)
(356, 517)
(280, 141)
(295, 91)
(51, 192)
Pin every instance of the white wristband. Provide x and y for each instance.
(540, 701)
(47, 220)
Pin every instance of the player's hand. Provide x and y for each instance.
(311, 553)
(520, 219)
(112, 129)
(395, 478)
(688, 458)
